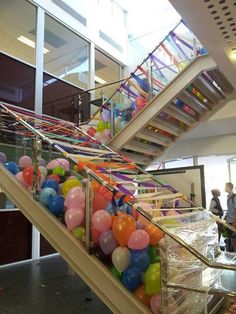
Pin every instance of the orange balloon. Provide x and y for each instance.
(140, 294)
(122, 228)
(155, 234)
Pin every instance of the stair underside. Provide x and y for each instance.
(192, 97)
(89, 268)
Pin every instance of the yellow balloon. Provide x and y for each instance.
(70, 184)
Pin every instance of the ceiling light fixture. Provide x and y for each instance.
(233, 54)
(30, 43)
(99, 80)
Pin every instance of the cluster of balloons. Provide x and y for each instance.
(126, 242)
(130, 245)
(102, 131)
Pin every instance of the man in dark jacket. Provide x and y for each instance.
(215, 208)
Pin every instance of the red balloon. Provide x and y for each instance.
(91, 131)
(99, 202)
(28, 175)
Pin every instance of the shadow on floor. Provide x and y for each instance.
(46, 287)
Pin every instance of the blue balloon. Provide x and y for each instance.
(132, 278)
(203, 51)
(140, 259)
(56, 204)
(51, 184)
(12, 167)
(46, 194)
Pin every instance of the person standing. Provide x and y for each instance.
(216, 209)
(231, 215)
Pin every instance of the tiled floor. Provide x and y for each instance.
(45, 287)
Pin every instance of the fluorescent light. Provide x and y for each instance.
(99, 80)
(30, 43)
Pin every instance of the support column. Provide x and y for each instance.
(91, 72)
(38, 102)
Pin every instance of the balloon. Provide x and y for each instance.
(106, 135)
(59, 171)
(140, 259)
(73, 218)
(95, 235)
(91, 131)
(154, 233)
(107, 242)
(122, 227)
(115, 272)
(154, 258)
(79, 232)
(203, 51)
(152, 279)
(28, 175)
(42, 179)
(54, 177)
(46, 194)
(25, 161)
(12, 167)
(59, 162)
(50, 184)
(70, 184)
(121, 258)
(75, 198)
(105, 115)
(138, 240)
(56, 204)
(155, 303)
(101, 126)
(101, 220)
(20, 178)
(42, 162)
(3, 158)
(132, 278)
(140, 294)
(43, 170)
(99, 202)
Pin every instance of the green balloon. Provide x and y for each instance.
(154, 258)
(115, 272)
(101, 126)
(59, 171)
(152, 279)
(79, 232)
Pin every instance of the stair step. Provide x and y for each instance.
(220, 79)
(152, 137)
(179, 114)
(196, 104)
(148, 149)
(139, 159)
(203, 89)
(207, 105)
(205, 80)
(165, 126)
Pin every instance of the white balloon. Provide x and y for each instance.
(121, 257)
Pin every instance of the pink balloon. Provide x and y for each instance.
(101, 220)
(25, 161)
(95, 235)
(138, 240)
(73, 218)
(59, 162)
(155, 303)
(107, 242)
(75, 198)
(19, 177)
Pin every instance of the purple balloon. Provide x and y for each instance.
(107, 242)
(3, 158)
(42, 162)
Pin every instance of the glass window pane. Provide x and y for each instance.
(106, 71)
(67, 54)
(179, 163)
(17, 24)
(17, 89)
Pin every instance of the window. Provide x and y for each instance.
(186, 162)
(67, 56)
(17, 24)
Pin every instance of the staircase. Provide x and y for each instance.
(150, 202)
(176, 87)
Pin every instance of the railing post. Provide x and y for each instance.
(36, 156)
(88, 213)
(79, 103)
(150, 76)
(112, 129)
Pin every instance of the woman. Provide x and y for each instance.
(215, 208)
